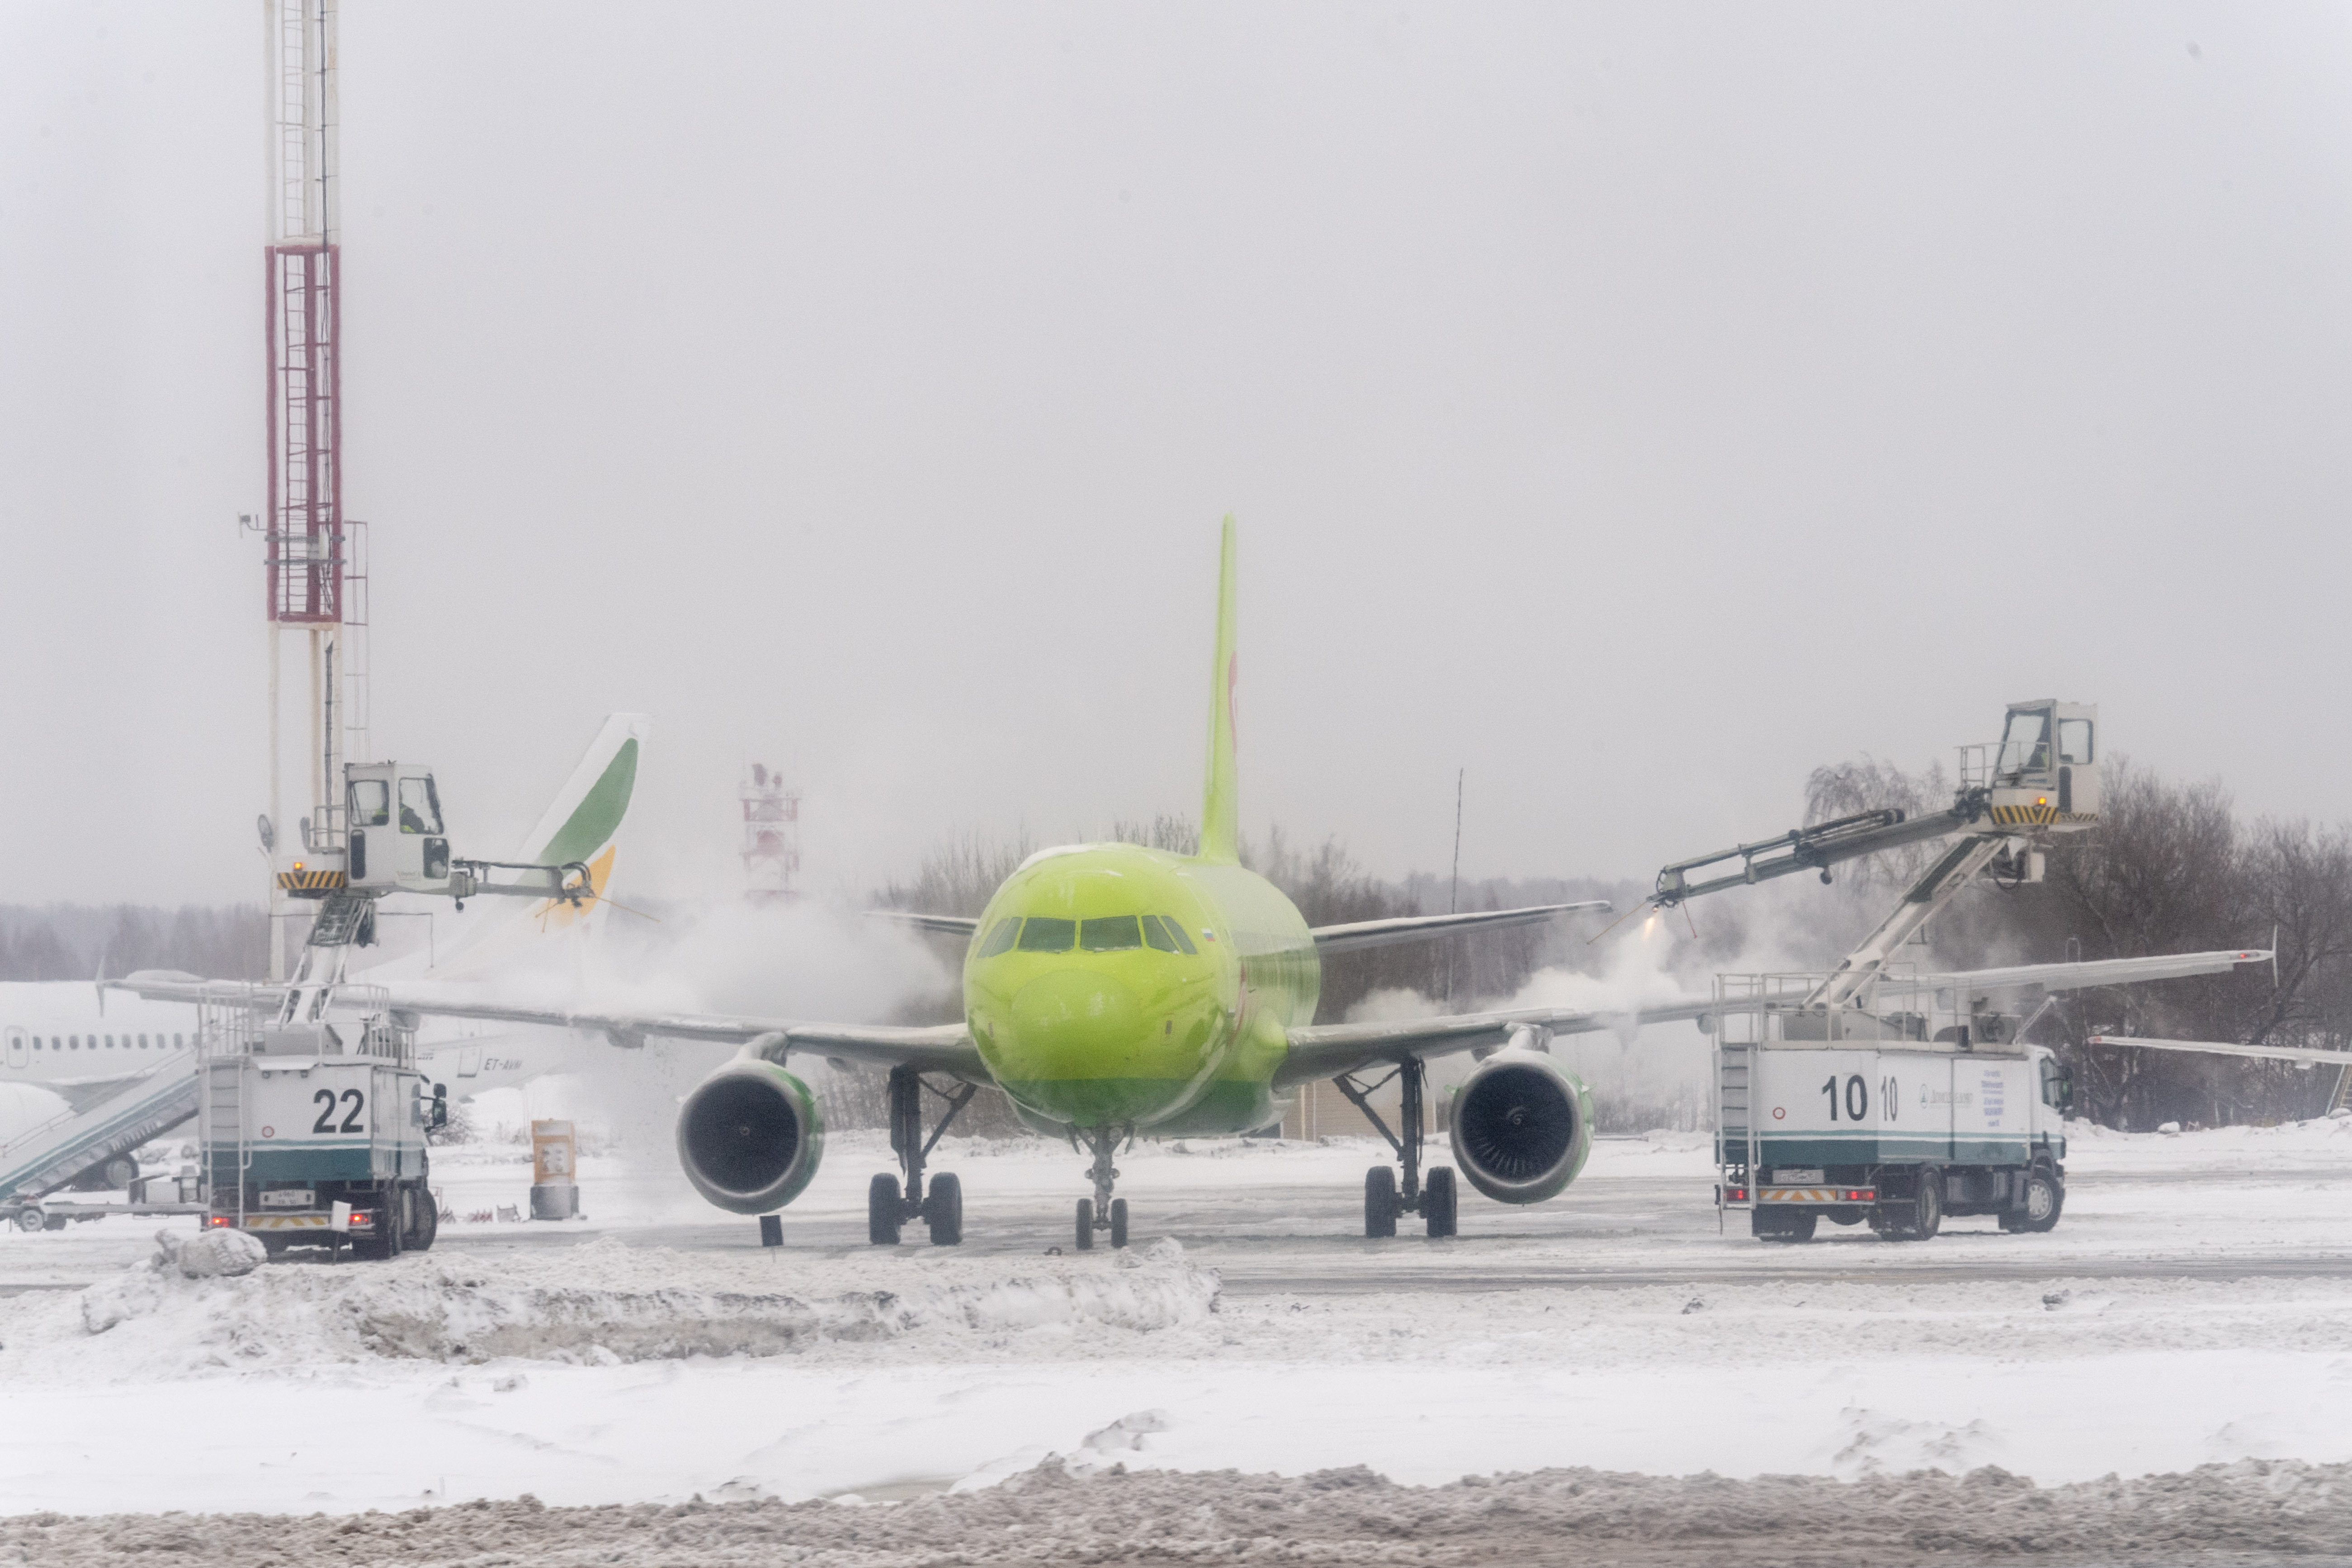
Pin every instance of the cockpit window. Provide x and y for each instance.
(1113, 933)
(1000, 937)
(1166, 935)
(2025, 748)
(371, 803)
(1041, 933)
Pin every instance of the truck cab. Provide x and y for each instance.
(397, 841)
(2046, 768)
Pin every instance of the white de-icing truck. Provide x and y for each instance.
(1893, 1113)
(1873, 1094)
(312, 1126)
(310, 1110)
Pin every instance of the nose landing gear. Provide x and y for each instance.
(941, 1209)
(1384, 1198)
(1102, 1212)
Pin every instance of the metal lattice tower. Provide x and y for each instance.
(772, 836)
(316, 558)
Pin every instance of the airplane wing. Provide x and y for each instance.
(1325, 1050)
(178, 986)
(940, 1047)
(1361, 935)
(2094, 972)
(2298, 1053)
(945, 925)
(1353, 937)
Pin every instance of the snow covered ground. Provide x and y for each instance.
(2195, 1307)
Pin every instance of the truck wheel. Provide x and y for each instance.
(1927, 1209)
(2046, 1199)
(427, 1224)
(1380, 1202)
(943, 1211)
(120, 1171)
(882, 1214)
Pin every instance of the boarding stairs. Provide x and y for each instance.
(40, 1161)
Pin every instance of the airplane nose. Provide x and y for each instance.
(1075, 1022)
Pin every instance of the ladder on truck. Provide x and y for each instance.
(43, 1159)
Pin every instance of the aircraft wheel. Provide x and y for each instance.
(883, 1215)
(1117, 1222)
(29, 1217)
(943, 1211)
(1085, 1225)
(1437, 1200)
(1380, 1202)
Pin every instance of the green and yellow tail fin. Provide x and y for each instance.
(1220, 803)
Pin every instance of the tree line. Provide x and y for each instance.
(75, 942)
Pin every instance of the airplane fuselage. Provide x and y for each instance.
(1109, 985)
(52, 1035)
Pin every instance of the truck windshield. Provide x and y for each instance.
(419, 812)
(371, 803)
(2025, 748)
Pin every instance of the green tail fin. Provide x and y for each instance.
(1220, 805)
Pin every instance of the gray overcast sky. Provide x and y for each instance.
(1635, 404)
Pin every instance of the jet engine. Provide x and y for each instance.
(750, 1136)
(1522, 1126)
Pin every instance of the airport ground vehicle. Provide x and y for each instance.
(311, 1114)
(1889, 1113)
(312, 1131)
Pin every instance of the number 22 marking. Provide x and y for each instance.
(325, 1099)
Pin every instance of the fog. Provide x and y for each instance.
(1631, 405)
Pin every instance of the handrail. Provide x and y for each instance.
(60, 1120)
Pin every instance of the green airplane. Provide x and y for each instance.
(1111, 990)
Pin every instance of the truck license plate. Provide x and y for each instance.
(288, 1198)
(1790, 1174)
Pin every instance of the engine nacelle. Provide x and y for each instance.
(1522, 1127)
(750, 1136)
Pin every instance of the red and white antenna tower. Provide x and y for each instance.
(772, 836)
(315, 562)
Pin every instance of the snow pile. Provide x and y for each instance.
(210, 1254)
(1054, 1514)
(600, 1304)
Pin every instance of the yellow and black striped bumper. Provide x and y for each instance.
(314, 882)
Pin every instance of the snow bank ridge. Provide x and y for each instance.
(604, 1302)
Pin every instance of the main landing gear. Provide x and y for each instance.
(1102, 1212)
(1383, 1199)
(886, 1209)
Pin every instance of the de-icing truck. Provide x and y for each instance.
(311, 1111)
(1894, 1112)
(1872, 1094)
